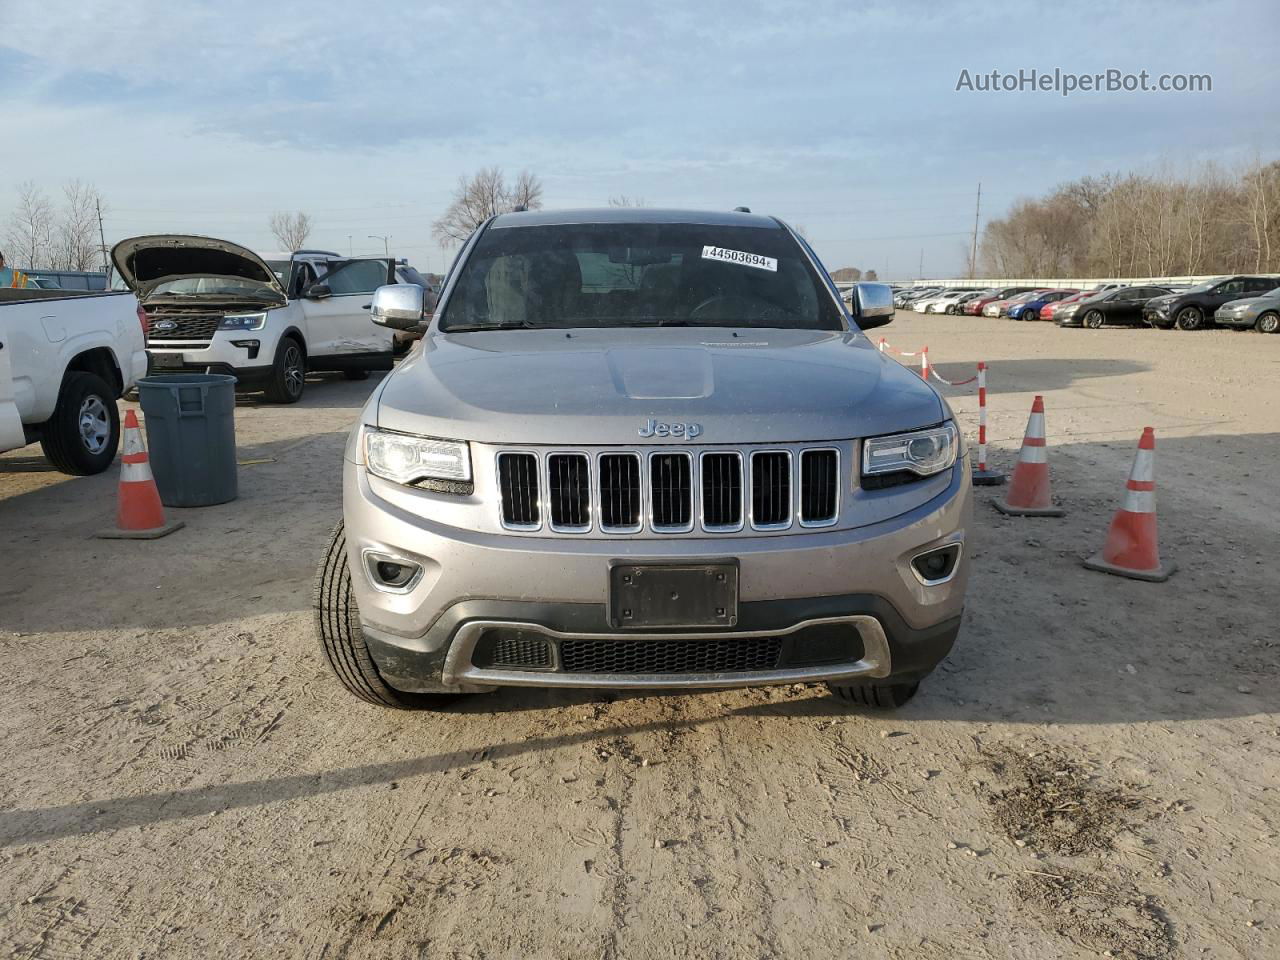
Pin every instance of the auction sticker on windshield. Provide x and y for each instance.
(740, 256)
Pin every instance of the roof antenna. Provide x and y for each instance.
(741, 209)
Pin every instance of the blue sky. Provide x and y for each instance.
(842, 118)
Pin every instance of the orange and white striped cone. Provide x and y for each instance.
(139, 513)
(1132, 548)
(1029, 494)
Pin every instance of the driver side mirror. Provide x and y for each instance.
(318, 291)
(398, 305)
(871, 304)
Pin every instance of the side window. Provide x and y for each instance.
(358, 276)
(1260, 284)
(1231, 286)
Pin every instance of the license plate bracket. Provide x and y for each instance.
(166, 361)
(646, 595)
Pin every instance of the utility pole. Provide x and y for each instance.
(920, 271)
(973, 250)
(386, 245)
(350, 248)
(102, 235)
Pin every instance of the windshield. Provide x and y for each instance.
(638, 274)
(282, 270)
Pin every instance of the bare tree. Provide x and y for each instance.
(30, 229)
(480, 197)
(75, 232)
(622, 200)
(291, 230)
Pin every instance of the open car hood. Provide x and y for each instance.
(144, 263)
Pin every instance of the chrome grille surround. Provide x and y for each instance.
(609, 478)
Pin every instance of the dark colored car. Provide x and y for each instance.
(1194, 309)
(1120, 307)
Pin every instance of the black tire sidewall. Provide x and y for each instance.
(1274, 318)
(278, 390)
(1088, 317)
(1189, 312)
(60, 435)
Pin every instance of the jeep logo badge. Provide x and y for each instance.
(656, 428)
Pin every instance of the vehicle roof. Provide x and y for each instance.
(542, 218)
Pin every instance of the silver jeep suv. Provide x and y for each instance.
(644, 448)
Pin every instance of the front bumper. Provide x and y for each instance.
(1244, 321)
(852, 590)
(1157, 318)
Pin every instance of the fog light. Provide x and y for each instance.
(936, 566)
(392, 574)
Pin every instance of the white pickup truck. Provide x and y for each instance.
(64, 361)
(215, 306)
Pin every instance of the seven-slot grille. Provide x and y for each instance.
(618, 492)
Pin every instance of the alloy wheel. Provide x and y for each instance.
(95, 424)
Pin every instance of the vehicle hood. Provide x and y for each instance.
(603, 386)
(144, 263)
(1248, 303)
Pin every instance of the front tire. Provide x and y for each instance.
(1030, 316)
(1190, 318)
(83, 434)
(288, 373)
(1269, 323)
(879, 696)
(1094, 320)
(337, 623)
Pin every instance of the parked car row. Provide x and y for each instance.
(1239, 302)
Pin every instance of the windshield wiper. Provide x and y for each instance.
(506, 325)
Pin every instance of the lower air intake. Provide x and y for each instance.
(670, 656)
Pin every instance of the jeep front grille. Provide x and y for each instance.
(666, 491)
(819, 487)
(518, 487)
(620, 492)
(569, 488)
(771, 489)
(671, 492)
(722, 491)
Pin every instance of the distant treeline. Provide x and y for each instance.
(1141, 225)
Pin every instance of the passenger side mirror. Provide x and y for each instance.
(398, 305)
(318, 291)
(871, 304)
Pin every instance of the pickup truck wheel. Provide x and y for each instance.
(882, 696)
(288, 373)
(338, 626)
(82, 435)
(1190, 318)
(1269, 323)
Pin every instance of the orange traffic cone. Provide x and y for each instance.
(1029, 491)
(139, 515)
(1132, 548)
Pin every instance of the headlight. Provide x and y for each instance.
(243, 321)
(923, 452)
(404, 458)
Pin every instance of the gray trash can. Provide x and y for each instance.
(191, 436)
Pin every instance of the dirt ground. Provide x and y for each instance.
(1094, 772)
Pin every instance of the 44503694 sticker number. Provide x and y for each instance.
(740, 257)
